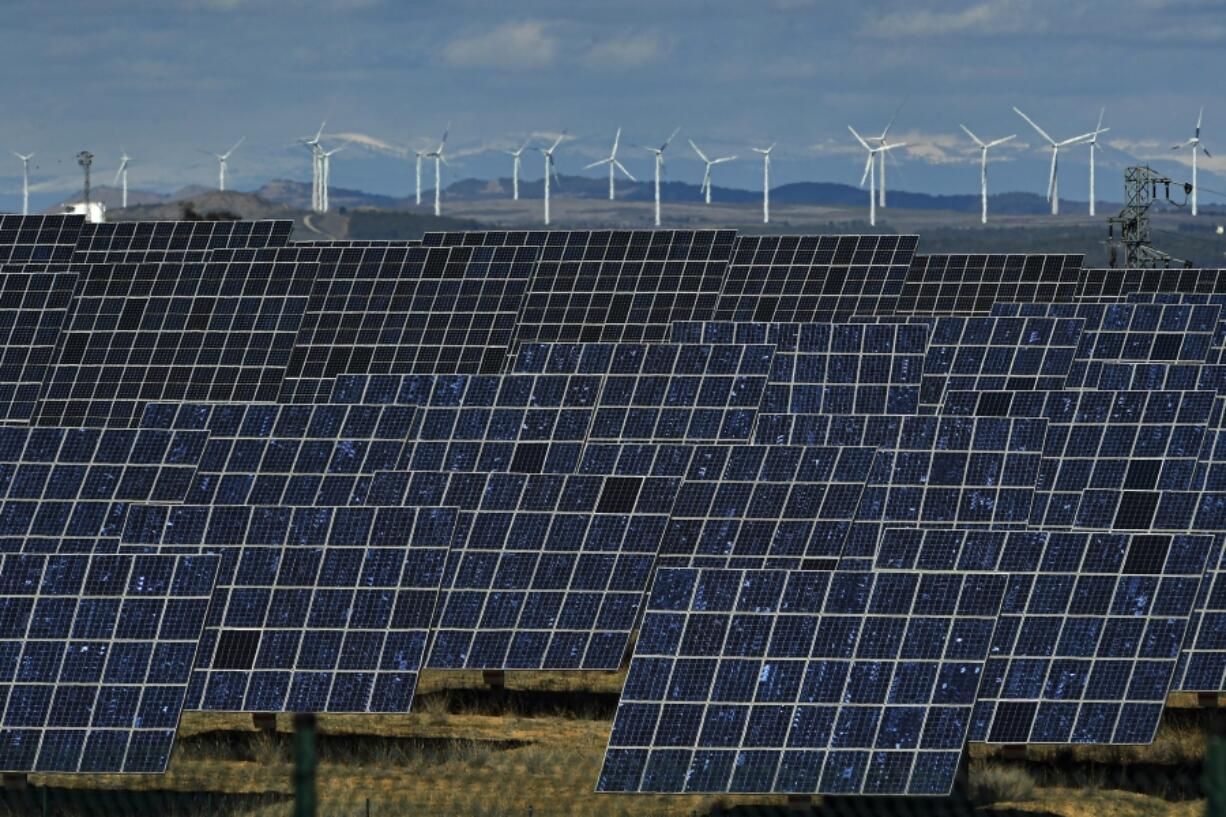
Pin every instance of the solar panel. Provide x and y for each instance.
(395, 309)
(756, 506)
(221, 330)
(98, 651)
(970, 284)
(949, 472)
(134, 242)
(34, 300)
(546, 571)
(808, 279)
(316, 609)
(38, 239)
(682, 392)
(802, 682)
(288, 455)
(619, 285)
(1097, 283)
(1088, 634)
(998, 353)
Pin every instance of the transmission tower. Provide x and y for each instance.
(1140, 192)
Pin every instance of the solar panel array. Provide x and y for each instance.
(858, 505)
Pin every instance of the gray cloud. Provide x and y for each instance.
(523, 45)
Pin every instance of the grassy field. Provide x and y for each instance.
(535, 748)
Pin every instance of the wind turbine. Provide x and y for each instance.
(1197, 147)
(122, 175)
(1053, 182)
(439, 161)
(25, 181)
(1094, 144)
(983, 167)
(659, 152)
(550, 170)
(766, 182)
(613, 164)
(882, 143)
(313, 146)
(420, 154)
(224, 158)
(870, 167)
(325, 163)
(706, 176)
(516, 154)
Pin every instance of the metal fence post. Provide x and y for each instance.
(304, 765)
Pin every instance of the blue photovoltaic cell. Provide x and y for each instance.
(754, 506)
(682, 393)
(1089, 631)
(808, 279)
(546, 571)
(802, 682)
(320, 609)
(388, 309)
(998, 353)
(97, 656)
(949, 472)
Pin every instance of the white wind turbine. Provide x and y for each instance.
(706, 176)
(614, 165)
(325, 165)
(983, 167)
(25, 181)
(766, 182)
(1053, 181)
(516, 155)
(870, 167)
(224, 158)
(550, 170)
(420, 154)
(313, 146)
(121, 177)
(881, 142)
(439, 161)
(659, 153)
(1197, 147)
(1093, 141)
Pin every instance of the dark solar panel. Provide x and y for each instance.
(219, 330)
(802, 682)
(153, 242)
(970, 284)
(394, 309)
(38, 239)
(34, 301)
(99, 651)
(1098, 283)
(807, 279)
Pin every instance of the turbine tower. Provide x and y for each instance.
(766, 182)
(420, 154)
(1197, 147)
(870, 173)
(706, 176)
(882, 143)
(1093, 145)
(983, 167)
(1053, 182)
(439, 161)
(614, 165)
(550, 170)
(659, 153)
(313, 146)
(25, 181)
(515, 166)
(325, 164)
(121, 177)
(224, 158)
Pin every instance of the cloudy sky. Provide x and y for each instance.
(165, 79)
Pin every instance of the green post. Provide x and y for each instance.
(1213, 779)
(304, 765)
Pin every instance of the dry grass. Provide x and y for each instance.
(1178, 742)
(998, 783)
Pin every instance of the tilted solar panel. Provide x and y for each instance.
(38, 239)
(1097, 283)
(34, 301)
(802, 682)
(970, 284)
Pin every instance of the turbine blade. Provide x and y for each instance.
(1032, 124)
(1198, 118)
(974, 138)
(859, 139)
(1001, 140)
(622, 168)
(701, 155)
(671, 137)
(617, 138)
(867, 167)
(236, 144)
(1099, 126)
(890, 124)
(597, 164)
(1205, 150)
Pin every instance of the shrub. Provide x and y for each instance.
(996, 783)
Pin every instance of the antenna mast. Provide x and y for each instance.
(85, 159)
(1140, 192)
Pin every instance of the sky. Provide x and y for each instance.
(166, 80)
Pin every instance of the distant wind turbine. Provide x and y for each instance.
(325, 162)
(659, 154)
(421, 154)
(983, 167)
(550, 170)
(1197, 147)
(706, 176)
(1053, 181)
(25, 181)
(313, 146)
(1093, 145)
(870, 173)
(439, 161)
(515, 166)
(882, 143)
(614, 165)
(121, 177)
(766, 182)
